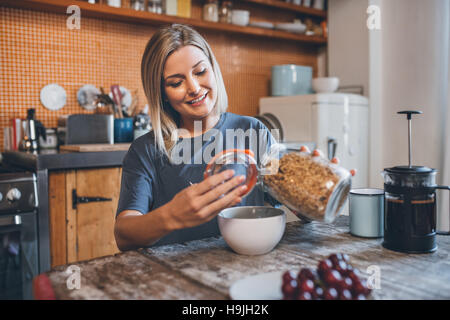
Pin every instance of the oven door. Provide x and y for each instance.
(18, 255)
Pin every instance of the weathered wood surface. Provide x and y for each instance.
(205, 269)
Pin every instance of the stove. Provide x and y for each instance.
(19, 244)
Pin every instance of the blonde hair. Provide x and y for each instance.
(165, 120)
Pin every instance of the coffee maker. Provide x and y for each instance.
(410, 205)
(32, 131)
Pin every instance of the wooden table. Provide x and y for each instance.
(205, 269)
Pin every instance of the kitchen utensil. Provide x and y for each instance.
(30, 140)
(134, 103)
(126, 99)
(366, 212)
(53, 96)
(291, 79)
(240, 17)
(263, 286)
(32, 131)
(87, 96)
(325, 85)
(410, 204)
(252, 230)
(123, 130)
(311, 186)
(117, 97)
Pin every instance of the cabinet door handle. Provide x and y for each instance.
(76, 199)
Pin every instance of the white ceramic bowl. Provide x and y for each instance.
(252, 230)
(322, 85)
(240, 17)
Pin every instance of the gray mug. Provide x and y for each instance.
(366, 210)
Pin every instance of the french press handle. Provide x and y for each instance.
(445, 188)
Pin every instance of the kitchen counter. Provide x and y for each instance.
(56, 160)
(205, 269)
(43, 163)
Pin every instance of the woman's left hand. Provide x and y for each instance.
(319, 153)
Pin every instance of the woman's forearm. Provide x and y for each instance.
(134, 231)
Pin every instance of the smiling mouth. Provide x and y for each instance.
(198, 100)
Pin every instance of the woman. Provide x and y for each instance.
(164, 197)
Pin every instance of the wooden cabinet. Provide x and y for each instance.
(85, 230)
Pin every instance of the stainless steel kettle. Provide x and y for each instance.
(33, 129)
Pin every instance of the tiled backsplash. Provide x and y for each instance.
(37, 49)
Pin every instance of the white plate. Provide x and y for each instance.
(261, 24)
(264, 286)
(87, 96)
(291, 27)
(126, 98)
(53, 96)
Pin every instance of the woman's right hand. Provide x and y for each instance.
(201, 202)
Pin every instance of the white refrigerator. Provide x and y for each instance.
(337, 123)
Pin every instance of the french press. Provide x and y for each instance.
(410, 205)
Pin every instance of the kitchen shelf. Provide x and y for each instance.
(104, 11)
(291, 7)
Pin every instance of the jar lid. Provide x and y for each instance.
(241, 161)
(410, 170)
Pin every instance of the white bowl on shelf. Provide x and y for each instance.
(240, 17)
(325, 85)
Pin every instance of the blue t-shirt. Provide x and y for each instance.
(149, 180)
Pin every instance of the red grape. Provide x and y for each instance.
(345, 295)
(306, 273)
(332, 278)
(359, 297)
(289, 289)
(304, 296)
(354, 276)
(330, 294)
(349, 269)
(318, 292)
(306, 285)
(341, 267)
(347, 284)
(288, 276)
(324, 266)
(335, 258)
(359, 288)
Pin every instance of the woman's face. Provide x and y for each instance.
(189, 83)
